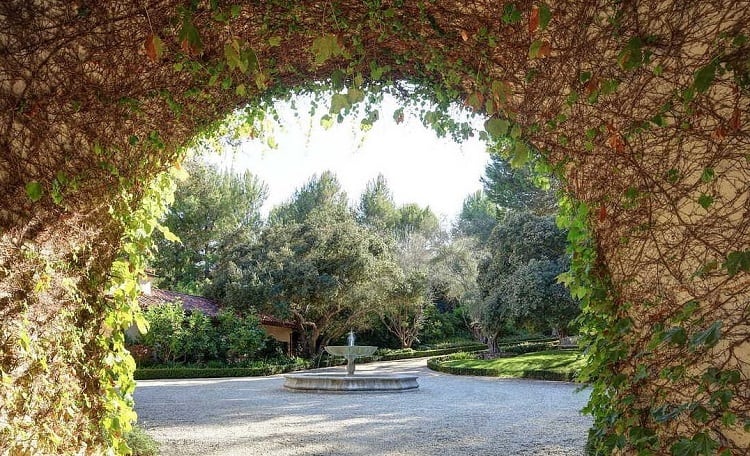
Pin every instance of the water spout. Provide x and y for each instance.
(350, 338)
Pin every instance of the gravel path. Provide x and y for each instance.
(447, 415)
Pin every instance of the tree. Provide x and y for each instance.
(402, 297)
(412, 218)
(453, 277)
(405, 291)
(318, 272)
(311, 264)
(477, 218)
(320, 191)
(517, 188)
(210, 209)
(376, 207)
(518, 282)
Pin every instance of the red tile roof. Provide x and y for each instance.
(211, 308)
(269, 320)
(159, 297)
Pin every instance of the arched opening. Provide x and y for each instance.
(644, 107)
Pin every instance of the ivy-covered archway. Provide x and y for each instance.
(642, 106)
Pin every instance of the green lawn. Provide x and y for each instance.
(560, 361)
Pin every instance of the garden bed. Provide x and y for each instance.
(559, 365)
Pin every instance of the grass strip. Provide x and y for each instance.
(561, 365)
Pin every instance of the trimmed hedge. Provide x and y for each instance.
(272, 369)
(529, 347)
(436, 364)
(212, 372)
(426, 353)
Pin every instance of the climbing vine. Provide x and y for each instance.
(642, 106)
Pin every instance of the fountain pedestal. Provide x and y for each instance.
(350, 382)
(350, 353)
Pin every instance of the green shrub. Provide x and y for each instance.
(241, 337)
(440, 326)
(165, 334)
(198, 338)
(175, 336)
(141, 443)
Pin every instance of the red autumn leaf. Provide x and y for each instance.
(591, 86)
(602, 212)
(615, 142)
(735, 122)
(534, 19)
(545, 50)
(719, 133)
(185, 46)
(151, 48)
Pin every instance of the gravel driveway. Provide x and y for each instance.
(447, 415)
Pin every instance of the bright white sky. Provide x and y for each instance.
(419, 167)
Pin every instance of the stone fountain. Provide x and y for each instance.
(350, 382)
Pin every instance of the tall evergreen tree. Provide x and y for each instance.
(210, 209)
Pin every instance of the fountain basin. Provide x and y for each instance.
(351, 351)
(350, 383)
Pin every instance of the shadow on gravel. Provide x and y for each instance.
(447, 415)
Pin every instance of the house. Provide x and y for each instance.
(285, 332)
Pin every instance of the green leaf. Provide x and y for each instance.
(737, 261)
(337, 79)
(673, 175)
(339, 101)
(23, 340)
(34, 191)
(521, 155)
(355, 95)
(189, 36)
(700, 414)
(705, 200)
(325, 47)
(377, 72)
(544, 16)
(511, 14)
(666, 413)
(708, 337)
(141, 323)
(704, 77)
(609, 86)
(534, 49)
(632, 56)
(326, 122)
(708, 175)
(515, 132)
(704, 444)
(232, 56)
(496, 127)
(398, 115)
(675, 336)
(274, 41)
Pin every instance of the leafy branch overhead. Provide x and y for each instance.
(628, 104)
